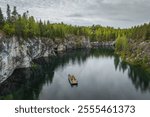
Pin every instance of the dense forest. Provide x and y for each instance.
(25, 26)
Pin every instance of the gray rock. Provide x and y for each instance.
(61, 48)
(19, 53)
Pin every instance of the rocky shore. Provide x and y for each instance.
(19, 53)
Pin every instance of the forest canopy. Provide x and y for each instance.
(25, 26)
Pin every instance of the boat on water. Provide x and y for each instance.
(72, 80)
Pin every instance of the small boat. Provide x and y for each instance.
(72, 80)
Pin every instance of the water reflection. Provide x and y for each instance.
(31, 83)
(139, 77)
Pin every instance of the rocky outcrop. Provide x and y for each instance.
(103, 44)
(139, 52)
(19, 53)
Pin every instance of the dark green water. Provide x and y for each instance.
(100, 73)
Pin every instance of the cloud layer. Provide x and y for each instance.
(117, 13)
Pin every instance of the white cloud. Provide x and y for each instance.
(117, 13)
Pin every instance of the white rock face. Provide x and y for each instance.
(61, 48)
(19, 53)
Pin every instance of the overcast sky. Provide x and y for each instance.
(116, 13)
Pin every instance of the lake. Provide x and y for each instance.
(101, 75)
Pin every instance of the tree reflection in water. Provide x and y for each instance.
(27, 83)
(139, 77)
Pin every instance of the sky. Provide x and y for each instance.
(115, 13)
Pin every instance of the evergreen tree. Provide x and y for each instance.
(1, 18)
(14, 14)
(25, 26)
(8, 13)
(19, 27)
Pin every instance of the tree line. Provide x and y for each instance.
(25, 26)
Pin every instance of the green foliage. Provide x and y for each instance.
(122, 46)
(121, 43)
(141, 32)
(8, 29)
(26, 26)
(146, 59)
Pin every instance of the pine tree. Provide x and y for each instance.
(14, 14)
(8, 13)
(1, 18)
(18, 27)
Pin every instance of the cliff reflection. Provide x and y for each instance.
(27, 83)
